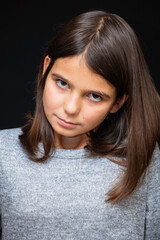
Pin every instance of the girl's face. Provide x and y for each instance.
(76, 100)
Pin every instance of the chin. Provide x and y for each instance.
(67, 133)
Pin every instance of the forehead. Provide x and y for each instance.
(75, 70)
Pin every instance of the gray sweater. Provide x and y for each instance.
(63, 198)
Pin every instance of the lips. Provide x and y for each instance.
(66, 123)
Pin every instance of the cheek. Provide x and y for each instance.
(95, 116)
(51, 100)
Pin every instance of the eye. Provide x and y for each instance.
(62, 84)
(94, 97)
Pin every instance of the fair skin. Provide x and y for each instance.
(76, 100)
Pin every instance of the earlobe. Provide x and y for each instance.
(119, 103)
(46, 64)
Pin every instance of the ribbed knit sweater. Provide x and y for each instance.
(64, 197)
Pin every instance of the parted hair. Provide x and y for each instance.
(112, 50)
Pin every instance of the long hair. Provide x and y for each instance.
(111, 49)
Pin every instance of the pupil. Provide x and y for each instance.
(95, 96)
(63, 83)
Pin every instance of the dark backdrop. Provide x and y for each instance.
(26, 28)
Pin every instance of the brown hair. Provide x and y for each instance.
(111, 49)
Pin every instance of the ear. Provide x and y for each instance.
(119, 103)
(46, 64)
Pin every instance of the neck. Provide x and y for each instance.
(70, 142)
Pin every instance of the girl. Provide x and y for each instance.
(86, 165)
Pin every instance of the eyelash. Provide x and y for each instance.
(58, 82)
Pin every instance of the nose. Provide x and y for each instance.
(72, 104)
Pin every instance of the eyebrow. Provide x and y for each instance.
(100, 93)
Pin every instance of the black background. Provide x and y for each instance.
(27, 27)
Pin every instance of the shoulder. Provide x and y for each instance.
(10, 133)
(153, 197)
(155, 162)
(9, 137)
(153, 170)
(11, 150)
(153, 178)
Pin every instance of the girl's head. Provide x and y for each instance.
(108, 48)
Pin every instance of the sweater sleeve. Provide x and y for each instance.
(153, 199)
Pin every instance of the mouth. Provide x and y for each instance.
(66, 123)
